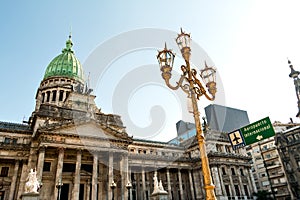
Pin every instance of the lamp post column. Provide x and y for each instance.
(208, 184)
(195, 90)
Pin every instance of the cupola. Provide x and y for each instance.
(65, 65)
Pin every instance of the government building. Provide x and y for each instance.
(80, 153)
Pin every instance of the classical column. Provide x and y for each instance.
(221, 181)
(191, 185)
(241, 183)
(24, 174)
(217, 182)
(197, 180)
(88, 190)
(101, 181)
(201, 189)
(51, 96)
(45, 98)
(169, 184)
(58, 176)
(251, 182)
(14, 181)
(232, 186)
(76, 186)
(129, 178)
(110, 174)
(40, 164)
(143, 183)
(125, 175)
(95, 177)
(180, 184)
(64, 95)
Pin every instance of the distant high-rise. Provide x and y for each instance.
(225, 119)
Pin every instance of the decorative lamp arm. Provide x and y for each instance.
(179, 83)
(200, 90)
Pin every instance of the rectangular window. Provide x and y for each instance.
(237, 190)
(232, 171)
(260, 166)
(246, 190)
(282, 180)
(262, 174)
(242, 172)
(265, 183)
(223, 171)
(227, 190)
(14, 141)
(268, 156)
(68, 167)
(4, 171)
(265, 147)
(6, 140)
(47, 166)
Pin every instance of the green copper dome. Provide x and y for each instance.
(65, 65)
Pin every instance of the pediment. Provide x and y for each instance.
(83, 129)
(87, 130)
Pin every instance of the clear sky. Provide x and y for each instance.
(248, 42)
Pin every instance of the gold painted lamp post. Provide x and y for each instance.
(195, 90)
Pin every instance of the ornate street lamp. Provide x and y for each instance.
(295, 75)
(195, 90)
(128, 186)
(113, 185)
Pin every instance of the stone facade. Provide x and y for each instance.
(288, 145)
(78, 152)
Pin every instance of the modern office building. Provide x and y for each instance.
(225, 119)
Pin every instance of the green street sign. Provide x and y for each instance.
(251, 133)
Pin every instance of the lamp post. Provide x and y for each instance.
(128, 186)
(113, 185)
(295, 75)
(58, 186)
(191, 85)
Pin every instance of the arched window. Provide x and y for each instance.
(61, 95)
(43, 97)
(48, 96)
(54, 95)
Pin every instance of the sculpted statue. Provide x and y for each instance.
(155, 181)
(32, 185)
(158, 186)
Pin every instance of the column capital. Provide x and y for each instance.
(61, 149)
(42, 148)
(79, 150)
